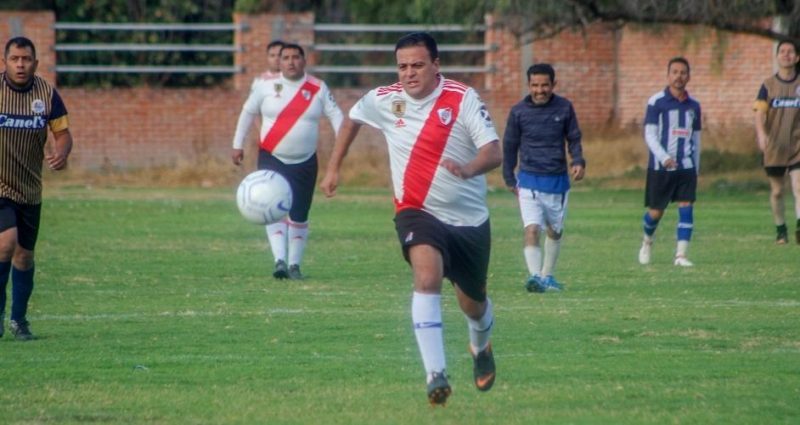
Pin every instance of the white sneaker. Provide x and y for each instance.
(644, 252)
(683, 262)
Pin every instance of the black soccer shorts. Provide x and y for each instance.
(24, 217)
(465, 249)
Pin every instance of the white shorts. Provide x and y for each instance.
(543, 209)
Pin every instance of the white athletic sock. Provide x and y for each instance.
(276, 236)
(683, 247)
(533, 259)
(480, 331)
(426, 314)
(551, 250)
(298, 235)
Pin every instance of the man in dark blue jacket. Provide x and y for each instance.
(535, 137)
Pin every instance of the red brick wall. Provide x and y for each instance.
(726, 87)
(608, 74)
(37, 26)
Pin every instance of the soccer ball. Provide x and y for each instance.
(264, 197)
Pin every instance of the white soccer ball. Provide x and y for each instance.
(264, 197)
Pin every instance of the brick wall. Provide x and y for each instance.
(607, 72)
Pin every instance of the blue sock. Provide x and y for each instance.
(685, 223)
(5, 267)
(649, 224)
(21, 290)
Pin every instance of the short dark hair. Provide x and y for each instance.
(274, 43)
(295, 47)
(419, 39)
(679, 59)
(21, 42)
(542, 69)
(782, 42)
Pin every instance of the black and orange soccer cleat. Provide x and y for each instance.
(483, 368)
(438, 389)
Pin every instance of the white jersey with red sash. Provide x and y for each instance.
(290, 114)
(450, 123)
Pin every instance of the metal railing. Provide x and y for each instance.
(144, 47)
(389, 48)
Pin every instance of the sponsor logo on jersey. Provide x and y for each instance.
(786, 102)
(445, 115)
(399, 123)
(399, 108)
(409, 237)
(487, 119)
(680, 132)
(37, 106)
(22, 121)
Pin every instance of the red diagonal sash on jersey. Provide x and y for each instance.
(289, 115)
(428, 149)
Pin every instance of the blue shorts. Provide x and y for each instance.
(302, 178)
(24, 217)
(465, 249)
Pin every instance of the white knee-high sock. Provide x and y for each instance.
(426, 314)
(276, 236)
(298, 235)
(480, 331)
(533, 259)
(551, 249)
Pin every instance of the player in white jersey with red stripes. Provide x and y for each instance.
(441, 142)
(273, 62)
(291, 106)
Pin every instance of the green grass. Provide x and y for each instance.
(156, 306)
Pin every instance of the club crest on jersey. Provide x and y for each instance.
(306, 94)
(399, 108)
(37, 106)
(445, 115)
(278, 89)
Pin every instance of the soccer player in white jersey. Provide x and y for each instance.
(441, 142)
(291, 107)
(273, 62)
(672, 133)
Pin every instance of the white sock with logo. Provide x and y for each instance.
(426, 314)
(480, 331)
(298, 235)
(276, 236)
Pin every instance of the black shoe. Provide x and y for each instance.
(21, 330)
(294, 272)
(483, 368)
(797, 236)
(782, 239)
(2, 329)
(281, 271)
(438, 389)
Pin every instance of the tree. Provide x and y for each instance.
(543, 18)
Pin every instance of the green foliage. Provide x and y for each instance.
(26, 5)
(156, 306)
(121, 11)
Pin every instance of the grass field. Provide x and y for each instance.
(155, 306)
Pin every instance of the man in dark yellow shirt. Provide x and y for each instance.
(28, 107)
(778, 133)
